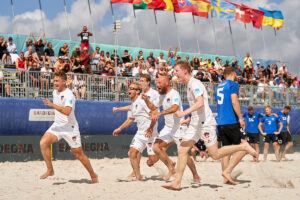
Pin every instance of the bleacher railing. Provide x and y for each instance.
(24, 84)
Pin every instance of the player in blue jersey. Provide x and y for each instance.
(230, 121)
(271, 132)
(252, 121)
(285, 135)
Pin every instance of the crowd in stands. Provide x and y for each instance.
(40, 57)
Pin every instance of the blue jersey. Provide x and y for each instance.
(270, 124)
(226, 114)
(252, 122)
(284, 119)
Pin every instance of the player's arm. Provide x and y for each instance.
(124, 125)
(124, 108)
(186, 121)
(155, 114)
(149, 131)
(64, 110)
(196, 148)
(150, 105)
(280, 128)
(288, 127)
(237, 108)
(260, 129)
(199, 104)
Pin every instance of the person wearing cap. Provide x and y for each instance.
(256, 67)
(86, 60)
(85, 34)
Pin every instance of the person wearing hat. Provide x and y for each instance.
(256, 67)
(85, 34)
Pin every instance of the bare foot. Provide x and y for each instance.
(132, 174)
(95, 178)
(250, 150)
(172, 186)
(171, 172)
(48, 173)
(228, 177)
(138, 179)
(196, 179)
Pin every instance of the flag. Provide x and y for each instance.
(196, 7)
(153, 4)
(256, 16)
(121, 1)
(241, 13)
(222, 10)
(272, 18)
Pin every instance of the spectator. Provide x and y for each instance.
(140, 56)
(274, 70)
(85, 34)
(59, 64)
(4, 55)
(161, 60)
(29, 41)
(135, 69)
(78, 67)
(214, 76)
(242, 89)
(102, 59)
(86, 60)
(283, 69)
(288, 79)
(126, 58)
(115, 56)
(45, 76)
(64, 50)
(295, 79)
(267, 72)
(246, 72)
(107, 57)
(34, 75)
(274, 88)
(152, 71)
(195, 65)
(30, 57)
(248, 61)
(12, 50)
(4, 86)
(217, 65)
(261, 89)
(152, 58)
(49, 55)
(171, 56)
(234, 64)
(39, 45)
(279, 78)
(256, 67)
(76, 53)
(199, 75)
(21, 66)
(96, 58)
(239, 71)
(294, 91)
(79, 87)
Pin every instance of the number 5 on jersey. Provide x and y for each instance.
(220, 95)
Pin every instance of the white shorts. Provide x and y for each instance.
(167, 134)
(70, 133)
(140, 143)
(198, 131)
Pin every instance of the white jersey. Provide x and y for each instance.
(166, 101)
(64, 99)
(140, 112)
(153, 96)
(195, 88)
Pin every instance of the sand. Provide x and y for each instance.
(269, 180)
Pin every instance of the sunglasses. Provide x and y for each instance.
(132, 88)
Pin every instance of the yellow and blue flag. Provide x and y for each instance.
(222, 10)
(272, 18)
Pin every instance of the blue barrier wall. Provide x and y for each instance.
(93, 117)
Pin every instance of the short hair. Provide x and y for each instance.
(184, 65)
(61, 74)
(140, 51)
(267, 106)
(147, 77)
(126, 50)
(250, 108)
(138, 85)
(228, 71)
(287, 107)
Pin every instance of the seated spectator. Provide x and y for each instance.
(96, 58)
(242, 89)
(152, 71)
(45, 76)
(199, 75)
(78, 67)
(49, 55)
(30, 57)
(262, 88)
(123, 83)
(206, 78)
(152, 58)
(59, 64)
(12, 50)
(274, 70)
(256, 67)
(209, 64)
(248, 61)
(283, 69)
(288, 80)
(64, 50)
(178, 58)
(115, 56)
(139, 56)
(34, 75)
(143, 69)
(246, 72)
(76, 53)
(105, 69)
(161, 60)
(195, 65)
(86, 60)
(79, 87)
(217, 64)
(21, 66)
(39, 45)
(4, 55)
(102, 59)
(68, 64)
(295, 79)
(267, 72)
(107, 57)
(4, 87)
(214, 76)
(126, 59)
(85, 34)
(149, 62)
(239, 71)
(279, 78)
(274, 88)
(294, 91)
(135, 69)
(234, 64)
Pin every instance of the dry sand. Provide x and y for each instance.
(270, 180)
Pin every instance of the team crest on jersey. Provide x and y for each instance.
(74, 138)
(62, 98)
(150, 145)
(168, 100)
(206, 135)
(136, 106)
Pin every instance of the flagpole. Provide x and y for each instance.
(91, 20)
(214, 32)
(157, 30)
(232, 41)
(249, 48)
(277, 46)
(196, 33)
(42, 18)
(66, 13)
(13, 14)
(136, 27)
(177, 31)
(263, 37)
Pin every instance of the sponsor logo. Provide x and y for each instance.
(176, 100)
(197, 90)
(70, 101)
(87, 147)
(16, 148)
(41, 115)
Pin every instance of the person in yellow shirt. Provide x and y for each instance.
(248, 61)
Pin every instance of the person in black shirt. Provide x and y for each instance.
(214, 76)
(3, 51)
(85, 34)
(153, 59)
(115, 56)
(49, 54)
(64, 50)
(39, 45)
(126, 58)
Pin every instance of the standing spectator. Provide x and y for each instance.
(45, 76)
(49, 55)
(86, 60)
(21, 66)
(4, 55)
(85, 34)
(4, 86)
(171, 56)
(96, 58)
(248, 61)
(12, 50)
(64, 50)
(39, 45)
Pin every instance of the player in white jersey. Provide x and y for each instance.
(145, 133)
(171, 102)
(202, 125)
(65, 126)
(153, 96)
